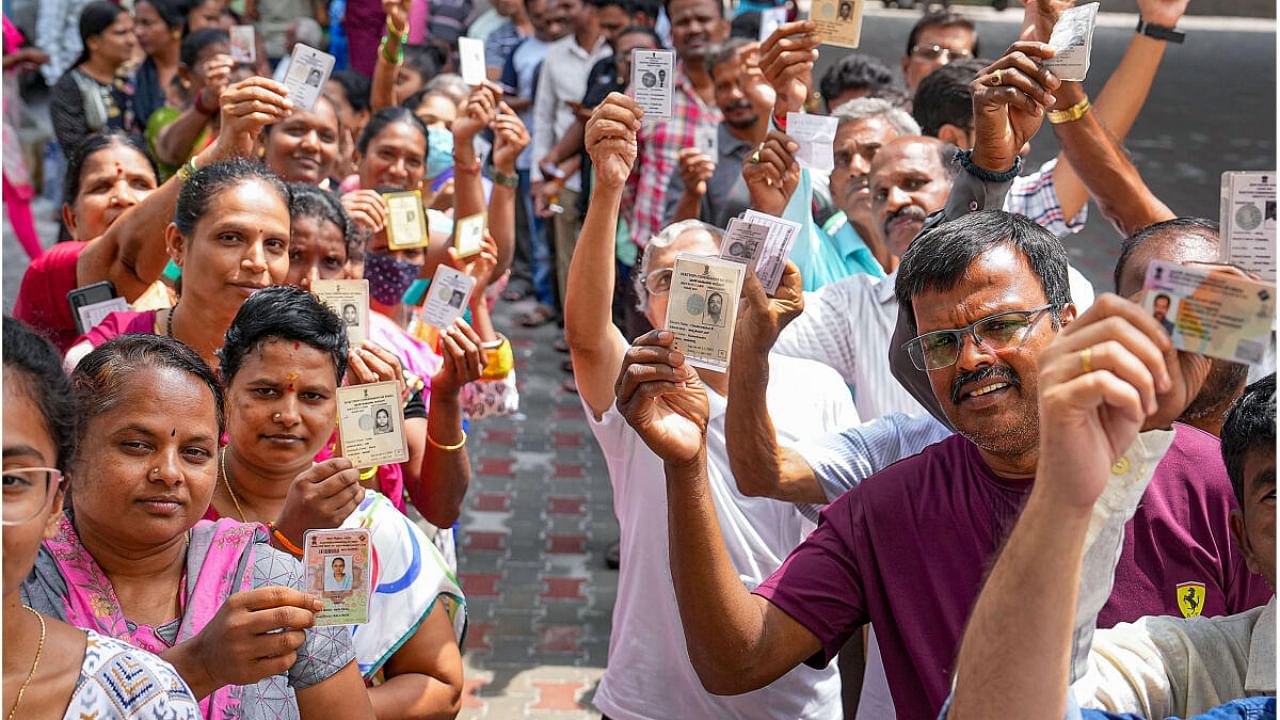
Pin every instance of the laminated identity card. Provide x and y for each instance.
(1248, 222)
(782, 235)
(244, 46)
(447, 297)
(839, 21)
(371, 424)
(350, 300)
(703, 308)
(471, 57)
(309, 69)
(743, 242)
(1072, 38)
(468, 234)
(338, 569)
(1216, 314)
(653, 77)
(406, 220)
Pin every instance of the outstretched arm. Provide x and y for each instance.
(382, 92)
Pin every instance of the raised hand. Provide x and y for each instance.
(1009, 101)
(371, 363)
(464, 358)
(321, 497)
(756, 86)
(239, 645)
(611, 139)
(1099, 380)
(511, 137)
(366, 208)
(477, 113)
(479, 266)
(397, 12)
(247, 107)
(772, 173)
(1165, 13)
(1040, 16)
(787, 58)
(761, 318)
(663, 399)
(216, 72)
(696, 169)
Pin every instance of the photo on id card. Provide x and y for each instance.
(338, 569)
(371, 424)
(349, 299)
(448, 296)
(702, 308)
(309, 68)
(839, 21)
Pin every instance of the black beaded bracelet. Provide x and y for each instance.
(965, 158)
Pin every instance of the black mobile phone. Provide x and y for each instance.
(89, 295)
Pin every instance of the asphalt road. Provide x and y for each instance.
(1212, 109)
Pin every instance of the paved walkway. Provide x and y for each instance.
(537, 522)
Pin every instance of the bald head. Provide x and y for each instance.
(1184, 239)
(909, 179)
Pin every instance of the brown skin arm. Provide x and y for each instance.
(424, 677)
(340, 697)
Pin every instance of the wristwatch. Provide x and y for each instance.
(1160, 32)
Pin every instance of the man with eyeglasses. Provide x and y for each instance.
(648, 674)
(935, 40)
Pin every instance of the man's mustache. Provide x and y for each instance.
(911, 211)
(987, 373)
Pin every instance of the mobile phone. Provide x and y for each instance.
(98, 292)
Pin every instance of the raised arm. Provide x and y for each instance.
(131, 253)
(477, 114)
(382, 92)
(178, 138)
(1100, 379)
(762, 467)
(511, 137)
(737, 641)
(595, 344)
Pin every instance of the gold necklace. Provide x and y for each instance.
(226, 479)
(39, 651)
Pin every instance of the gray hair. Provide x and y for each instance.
(665, 239)
(450, 85)
(868, 107)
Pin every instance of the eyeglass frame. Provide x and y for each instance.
(971, 330)
(54, 478)
(940, 52)
(669, 270)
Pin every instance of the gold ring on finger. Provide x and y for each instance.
(755, 157)
(1086, 360)
(997, 78)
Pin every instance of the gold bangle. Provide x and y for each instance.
(448, 448)
(1071, 114)
(284, 542)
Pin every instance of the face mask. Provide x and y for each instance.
(439, 151)
(388, 277)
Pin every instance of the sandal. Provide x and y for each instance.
(517, 290)
(540, 315)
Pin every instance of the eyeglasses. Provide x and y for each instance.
(27, 492)
(937, 52)
(941, 348)
(658, 282)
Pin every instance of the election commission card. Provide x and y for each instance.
(1215, 314)
(816, 134)
(309, 68)
(371, 424)
(653, 77)
(770, 19)
(468, 234)
(471, 56)
(782, 235)
(839, 21)
(244, 47)
(743, 242)
(1248, 222)
(706, 139)
(703, 308)
(338, 568)
(447, 297)
(406, 220)
(350, 300)
(1073, 39)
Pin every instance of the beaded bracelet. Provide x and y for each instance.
(965, 158)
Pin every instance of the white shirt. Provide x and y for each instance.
(563, 78)
(849, 324)
(649, 676)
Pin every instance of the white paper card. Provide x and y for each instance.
(770, 19)
(469, 234)
(743, 242)
(350, 300)
(653, 77)
(1073, 39)
(703, 308)
(471, 56)
(816, 135)
(309, 68)
(1248, 222)
(93, 314)
(244, 46)
(447, 297)
(782, 235)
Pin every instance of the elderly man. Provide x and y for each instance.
(648, 673)
(708, 188)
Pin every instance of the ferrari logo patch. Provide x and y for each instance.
(1190, 598)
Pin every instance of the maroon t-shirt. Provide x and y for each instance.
(908, 550)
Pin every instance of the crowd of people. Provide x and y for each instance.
(943, 475)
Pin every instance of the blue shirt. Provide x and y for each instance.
(824, 258)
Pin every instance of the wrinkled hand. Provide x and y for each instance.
(464, 359)
(761, 318)
(1165, 13)
(511, 137)
(610, 139)
(1088, 419)
(366, 209)
(772, 180)
(663, 399)
(371, 363)
(1009, 99)
(477, 113)
(247, 107)
(787, 58)
(696, 169)
(321, 497)
(235, 647)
